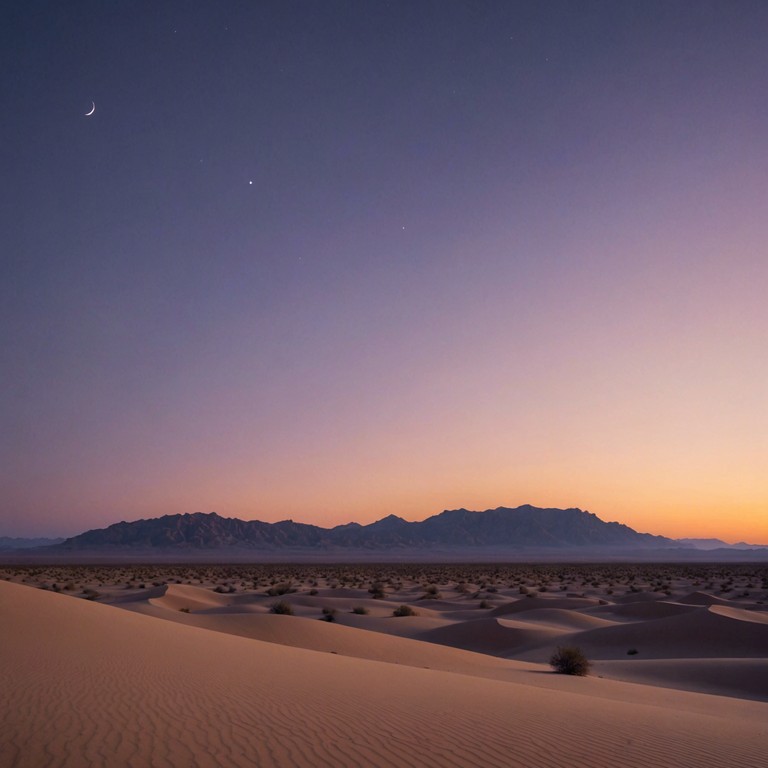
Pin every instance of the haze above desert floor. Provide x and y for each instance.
(189, 665)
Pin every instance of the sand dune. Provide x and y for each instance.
(703, 633)
(702, 598)
(535, 603)
(410, 627)
(313, 634)
(658, 609)
(747, 678)
(639, 597)
(560, 618)
(178, 596)
(491, 635)
(758, 617)
(86, 684)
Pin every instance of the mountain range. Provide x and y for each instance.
(520, 533)
(522, 527)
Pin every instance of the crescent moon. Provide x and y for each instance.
(93, 109)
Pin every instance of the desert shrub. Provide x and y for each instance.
(377, 590)
(570, 661)
(404, 610)
(361, 610)
(329, 614)
(281, 589)
(281, 607)
(485, 604)
(632, 652)
(184, 610)
(313, 591)
(91, 594)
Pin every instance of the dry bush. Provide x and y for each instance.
(570, 660)
(282, 608)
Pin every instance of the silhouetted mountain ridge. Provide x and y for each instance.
(521, 527)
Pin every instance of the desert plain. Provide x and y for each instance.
(383, 665)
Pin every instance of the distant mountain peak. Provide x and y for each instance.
(391, 519)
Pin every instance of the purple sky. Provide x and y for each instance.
(335, 260)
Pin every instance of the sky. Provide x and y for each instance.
(331, 261)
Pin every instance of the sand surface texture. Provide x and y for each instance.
(165, 673)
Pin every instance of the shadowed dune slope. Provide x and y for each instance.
(534, 603)
(494, 636)
(745, 678)
(714, 632)
(644, 611)
(90, 685)
(702, 598)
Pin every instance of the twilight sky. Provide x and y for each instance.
(335, 260)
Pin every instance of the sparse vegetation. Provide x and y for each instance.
(281, 607)
(377, 590)
(404, 610)
(360, 610)
(570, 660)
(281, 589)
